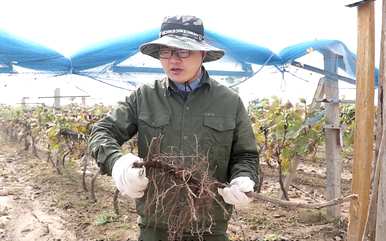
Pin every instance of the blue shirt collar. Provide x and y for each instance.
(191, 86)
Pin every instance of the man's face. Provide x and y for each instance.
(180, 65)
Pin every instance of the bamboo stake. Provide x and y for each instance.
(369, 233)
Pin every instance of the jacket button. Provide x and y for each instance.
(187, 108)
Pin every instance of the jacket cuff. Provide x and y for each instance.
(106, 167)
(244, 174)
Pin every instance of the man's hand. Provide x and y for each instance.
(130, 181)
(235, 193)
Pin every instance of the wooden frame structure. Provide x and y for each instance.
(364, 117)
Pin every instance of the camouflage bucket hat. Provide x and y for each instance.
(183, 32)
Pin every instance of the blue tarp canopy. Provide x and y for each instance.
(113, 51)
(346, 58)
(19, 52)
(118, 50)
(346, 61)
(243, 52)
(24, 53)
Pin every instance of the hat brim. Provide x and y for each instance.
(172, 41)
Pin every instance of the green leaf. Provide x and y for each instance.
(102, 219)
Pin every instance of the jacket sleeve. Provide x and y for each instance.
(111, 132)
(244, 157)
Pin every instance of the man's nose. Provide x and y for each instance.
(174, 57)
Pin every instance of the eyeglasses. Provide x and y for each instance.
(167, 53)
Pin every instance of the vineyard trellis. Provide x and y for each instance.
(284, 132)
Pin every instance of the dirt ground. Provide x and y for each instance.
(36, 203)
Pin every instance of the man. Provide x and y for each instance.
(187, 107)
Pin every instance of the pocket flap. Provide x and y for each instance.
(220, 123)
(154, 120)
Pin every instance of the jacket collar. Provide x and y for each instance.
(169, 85)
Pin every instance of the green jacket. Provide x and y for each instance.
(212, 120)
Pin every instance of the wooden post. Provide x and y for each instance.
(83, 101)
(380, 231)
(57, 98)
(380, 152)
(332, 132)
(23, 102)
(364, 117)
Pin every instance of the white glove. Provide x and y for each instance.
(235, 193)
(130, 181)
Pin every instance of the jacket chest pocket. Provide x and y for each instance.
(149, 126)
(217, 137)
(219, 130)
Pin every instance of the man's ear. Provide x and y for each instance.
(203, 55)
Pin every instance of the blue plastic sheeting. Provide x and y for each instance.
(346, 62)
(113, 51)
(243, 52)
(17, 51)
(116, 51)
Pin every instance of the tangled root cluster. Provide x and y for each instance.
(180, 196)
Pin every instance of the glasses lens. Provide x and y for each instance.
(183, 53)
(165, 53)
